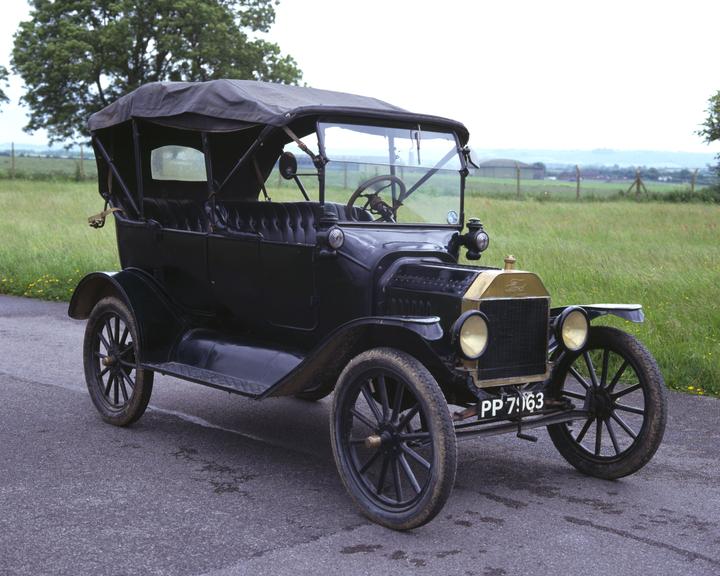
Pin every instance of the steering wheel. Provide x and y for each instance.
(373, 202)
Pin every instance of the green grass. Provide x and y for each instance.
(46, 245)
(564, 190)
(41, 168)
(665, 256)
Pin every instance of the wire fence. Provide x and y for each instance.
(507, 180)
(579, 183)
(63, 165)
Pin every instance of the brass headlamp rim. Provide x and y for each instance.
(457, 333)
(560, 324)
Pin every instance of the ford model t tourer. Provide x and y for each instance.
(287, 241)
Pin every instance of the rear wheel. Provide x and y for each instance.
(618, 382)
(118, 387)
(393, 438)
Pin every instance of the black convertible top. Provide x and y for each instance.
(227, 105)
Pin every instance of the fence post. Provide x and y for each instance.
(82, 164)
(577, 177)
(638, 185)
(344, 175)
(692, 181)
(12, 160)
(517, 177)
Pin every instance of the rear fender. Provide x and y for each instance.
(158, 322)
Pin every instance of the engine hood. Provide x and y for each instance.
(472, 283)
(414, 287)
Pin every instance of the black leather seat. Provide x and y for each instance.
(355, 214)
(186, 215)
(290, 222)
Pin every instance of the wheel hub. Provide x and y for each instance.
(387, 438)
(373, 442)
(108, 360)
(602, 404)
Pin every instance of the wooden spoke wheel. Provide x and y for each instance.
(393, 438)
(118, 387)
(618, 382)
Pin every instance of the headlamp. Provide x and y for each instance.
(572, 328)
(470, 331)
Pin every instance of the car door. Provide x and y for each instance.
(288, 282)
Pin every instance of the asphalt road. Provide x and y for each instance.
(209, 483)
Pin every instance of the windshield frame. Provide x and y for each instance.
(430, 127)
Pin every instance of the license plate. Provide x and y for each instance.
(511, 405)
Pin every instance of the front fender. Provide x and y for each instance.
(631, 312)
(321, 368)
(157, 320)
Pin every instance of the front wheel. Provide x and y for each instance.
(393, 439)
(619, 383)
(118, 387)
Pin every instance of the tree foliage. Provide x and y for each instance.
(77, 56)
(3, 82)
(711, 127)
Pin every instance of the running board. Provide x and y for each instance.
(211, 378)
(244, 365)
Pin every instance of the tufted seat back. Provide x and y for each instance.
(291, 222)
(178, 214)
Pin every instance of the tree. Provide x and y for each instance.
(3, 82)
(77, 56)
(711, 127)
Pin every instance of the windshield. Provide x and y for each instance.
(405, 175)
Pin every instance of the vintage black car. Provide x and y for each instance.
(286, 241)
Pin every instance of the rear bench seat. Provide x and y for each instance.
(178, 214)
(291, 222)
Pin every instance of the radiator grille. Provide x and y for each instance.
(518, 338)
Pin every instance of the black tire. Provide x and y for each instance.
(118, 387)
(403, 476)
(626, 404)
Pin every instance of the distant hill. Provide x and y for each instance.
(602, 157)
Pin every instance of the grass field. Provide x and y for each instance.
(665, 256)
(66, 169)
(46, 245)
(546, 190)
(564, 190)
(40, 168)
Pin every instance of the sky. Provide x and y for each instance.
(625, 75)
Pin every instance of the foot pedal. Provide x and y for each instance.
(527, 437)
(523, 436)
